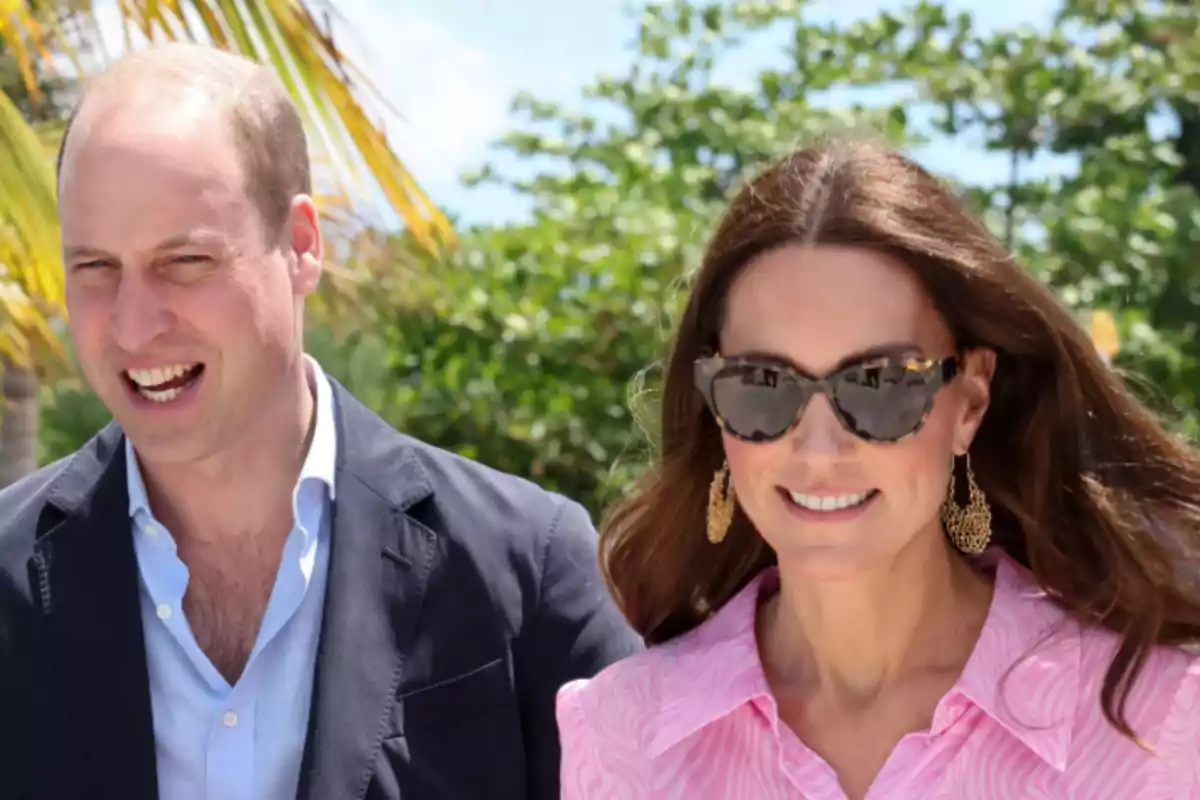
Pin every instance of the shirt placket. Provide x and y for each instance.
(229, 761)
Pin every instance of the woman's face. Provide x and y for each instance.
(821, 309)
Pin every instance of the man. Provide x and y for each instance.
(249, 586)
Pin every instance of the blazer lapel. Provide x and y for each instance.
(380, 562)
(88, 584)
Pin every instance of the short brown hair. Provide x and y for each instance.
(1087, 489)
(265, 124)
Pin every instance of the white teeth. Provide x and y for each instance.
(160, 397)
(837, 502)
(158, 376)
(146, 379)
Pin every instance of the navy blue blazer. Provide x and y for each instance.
(459, 600)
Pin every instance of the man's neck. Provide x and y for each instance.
(242, 489)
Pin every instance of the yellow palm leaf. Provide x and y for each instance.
(31, 282)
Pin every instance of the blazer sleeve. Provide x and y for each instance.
(576, 631)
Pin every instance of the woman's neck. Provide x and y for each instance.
(849, 641)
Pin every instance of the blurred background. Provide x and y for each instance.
(517, 192)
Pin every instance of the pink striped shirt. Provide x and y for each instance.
(694, 719)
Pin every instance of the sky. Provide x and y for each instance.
(451, 67)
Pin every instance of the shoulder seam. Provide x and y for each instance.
(551, 530)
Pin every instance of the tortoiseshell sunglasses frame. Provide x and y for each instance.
(935, 373)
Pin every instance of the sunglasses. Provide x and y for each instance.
(761, 398)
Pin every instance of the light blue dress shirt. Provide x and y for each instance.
(214, 741)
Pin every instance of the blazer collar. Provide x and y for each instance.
(88, 592)
(380, 563)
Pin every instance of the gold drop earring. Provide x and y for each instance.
(721, 502)
(969, 527)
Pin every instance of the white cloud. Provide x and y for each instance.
(453, 97)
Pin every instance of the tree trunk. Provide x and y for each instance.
(18, 423)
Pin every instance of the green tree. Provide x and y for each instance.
(1116, 85)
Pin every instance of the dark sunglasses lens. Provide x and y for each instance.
(883, 403)
(757, 402)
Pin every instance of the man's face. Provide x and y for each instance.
(185, 317)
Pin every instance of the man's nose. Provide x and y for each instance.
(139, 314)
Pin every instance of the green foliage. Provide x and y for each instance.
(535, 348)
(70, 415)
(1117, 85)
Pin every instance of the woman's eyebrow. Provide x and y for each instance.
(889, 349)
(885, 350)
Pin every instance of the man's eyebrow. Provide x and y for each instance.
(192, 239)
(72, 252)
(209, 239)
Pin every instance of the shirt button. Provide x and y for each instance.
(164, 611)
(152, 530)
(230, 719)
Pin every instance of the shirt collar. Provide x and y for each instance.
(714, 669)
(1026, 645)
(320, 462)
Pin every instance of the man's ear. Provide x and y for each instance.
(305, 245)
(978, 369)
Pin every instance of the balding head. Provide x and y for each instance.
(185, 308)
(174, 85)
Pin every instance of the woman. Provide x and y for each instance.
(947, 555)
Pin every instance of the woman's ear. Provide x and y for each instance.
(978, 369)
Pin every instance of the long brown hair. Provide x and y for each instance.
(1087, 489)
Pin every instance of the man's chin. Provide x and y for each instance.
(165, 438)
(165, 447)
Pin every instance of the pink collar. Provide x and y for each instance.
(1027, 645)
